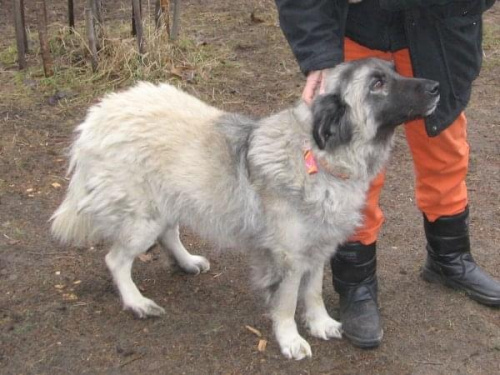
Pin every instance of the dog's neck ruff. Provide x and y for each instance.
(311, 163)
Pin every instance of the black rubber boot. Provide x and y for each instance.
(450, 262)
(355, 280)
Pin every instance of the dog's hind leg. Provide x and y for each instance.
(170, 242)
(316, 318)
(283, 306)
(119, 261)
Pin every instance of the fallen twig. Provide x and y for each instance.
(254, 331)
(131, 360)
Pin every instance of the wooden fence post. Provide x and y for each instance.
(71, 16)
(20, 33)
(134, 31)
(89, 26)
(42, 35)
(175, 24)
(25, 37)
(136, 8)
(97, 22)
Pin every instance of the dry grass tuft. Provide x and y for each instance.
(183, 61)
(120, 61)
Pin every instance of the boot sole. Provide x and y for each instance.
(435, 278)
(364, 344)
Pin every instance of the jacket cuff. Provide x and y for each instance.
(323, 61)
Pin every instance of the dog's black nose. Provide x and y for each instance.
(432, 88)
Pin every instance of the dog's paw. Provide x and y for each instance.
(144, 308)
(325, 328)
(295, 348)
(195, 264)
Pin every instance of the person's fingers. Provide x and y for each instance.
(308, 92)
(314, 82)
(322, 83)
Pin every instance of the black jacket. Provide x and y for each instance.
(444, 38)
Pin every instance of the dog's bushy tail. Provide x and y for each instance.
(70, 225)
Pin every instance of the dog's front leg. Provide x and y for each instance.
(283, 306)
(316, 318)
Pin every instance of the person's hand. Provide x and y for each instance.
(315, 85)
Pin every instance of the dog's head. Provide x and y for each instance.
(366, 100)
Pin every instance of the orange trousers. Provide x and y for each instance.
(440, 162)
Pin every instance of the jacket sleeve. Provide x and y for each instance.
(315, 31)
(396, 5)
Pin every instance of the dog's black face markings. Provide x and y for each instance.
(330, 124)
(390, 100)
(396, 99)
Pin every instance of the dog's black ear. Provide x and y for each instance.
(329, 121)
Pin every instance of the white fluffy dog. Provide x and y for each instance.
(288, 188)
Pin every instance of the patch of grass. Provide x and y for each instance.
(8, 56)
(119, 62)
(491, 40)
(491, 44)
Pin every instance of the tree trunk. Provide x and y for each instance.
(20, 39)
(42, 35)
(174, 34)
(136, 7)
(71, 16)
(23, 20)
(134, 31)
(158, 12)
(89, 26)
(97, 22)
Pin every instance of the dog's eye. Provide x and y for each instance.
(378, 84)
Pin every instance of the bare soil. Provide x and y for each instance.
(59, 312)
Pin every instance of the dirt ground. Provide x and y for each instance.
(59, 312)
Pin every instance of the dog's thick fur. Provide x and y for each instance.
(152, 158)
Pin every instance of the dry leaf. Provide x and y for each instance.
(56, 185)
(70, 297)
(176, 72)
(185, 72)
(254, 331)
(148, 257)
(59, 286)
(255, 19)
(261, 347)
